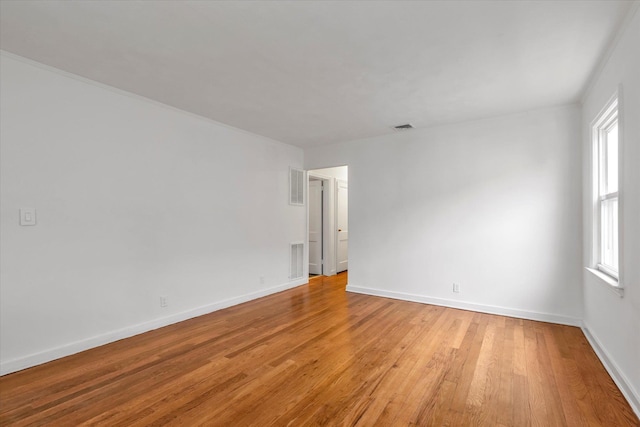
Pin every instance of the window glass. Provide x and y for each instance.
(612, 158)
(609, 233)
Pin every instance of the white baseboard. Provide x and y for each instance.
(490, 309)
(632, 395)
(68, 349)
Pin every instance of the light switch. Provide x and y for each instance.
(27, 216)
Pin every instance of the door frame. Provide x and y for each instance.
(317, 183)
(329, 254)
(336, 213)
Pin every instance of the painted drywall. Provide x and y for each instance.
(493, 205)
(135, 200)
(612, 321)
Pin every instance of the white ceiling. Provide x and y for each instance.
(318, 72)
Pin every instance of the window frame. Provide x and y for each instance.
(607, 122)
(610, 115)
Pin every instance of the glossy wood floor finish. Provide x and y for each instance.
(316, 355)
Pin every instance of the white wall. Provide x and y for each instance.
(614, 322)
(134, 200)
(493, 205)
(337, 172)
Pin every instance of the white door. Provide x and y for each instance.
(342, 236)
(315, 227)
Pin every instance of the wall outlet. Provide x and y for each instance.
(164, 301)
(456, 288)
(27, 216)
(262, 280)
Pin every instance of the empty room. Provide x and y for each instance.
(305, 213)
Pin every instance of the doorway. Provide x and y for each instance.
(328, 220)
(315, 225)
(342, 219)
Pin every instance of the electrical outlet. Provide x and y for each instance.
(163, 301)
(27, 216)
(262, 280)
(456, 288)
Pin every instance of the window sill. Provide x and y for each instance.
(612, 284)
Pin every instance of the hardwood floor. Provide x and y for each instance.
(316, 355)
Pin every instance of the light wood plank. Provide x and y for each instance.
(316, 355)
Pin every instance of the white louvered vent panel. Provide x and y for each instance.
(296, 187)
(296, 261)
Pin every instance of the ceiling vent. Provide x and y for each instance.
(403, 127)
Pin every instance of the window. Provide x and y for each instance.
(607, 199)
